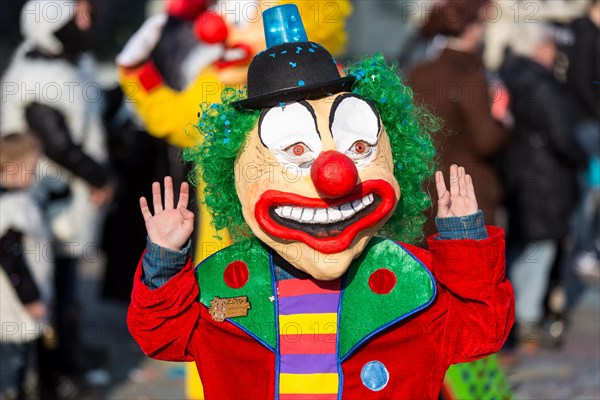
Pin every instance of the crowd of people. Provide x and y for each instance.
(529, 135)
(73, 161)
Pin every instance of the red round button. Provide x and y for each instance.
(236, 274)
(382, 281)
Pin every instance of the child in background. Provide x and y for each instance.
(25, 260)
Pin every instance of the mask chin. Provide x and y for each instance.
(74, 40)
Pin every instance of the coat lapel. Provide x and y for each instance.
(385, 285)
(214, 280)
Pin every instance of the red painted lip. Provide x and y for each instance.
(221, 64)
(382, 191)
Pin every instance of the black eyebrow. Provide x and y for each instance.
(302, 102)
(344, 96)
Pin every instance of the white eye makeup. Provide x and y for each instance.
(355, 127)
(290, 132)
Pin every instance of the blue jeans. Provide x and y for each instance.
(587, 214)
(529, 272)
(587, 135)
(15, 358)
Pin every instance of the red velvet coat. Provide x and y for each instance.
(469, 318)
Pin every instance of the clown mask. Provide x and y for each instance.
(315, 179)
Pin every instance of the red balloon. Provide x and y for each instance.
(333, 174)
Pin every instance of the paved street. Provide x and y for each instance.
(570, 372)
(131, 375)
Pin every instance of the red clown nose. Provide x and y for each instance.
(333, 174)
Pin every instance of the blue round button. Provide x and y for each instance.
(374, 375)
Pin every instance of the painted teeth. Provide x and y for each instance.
(324, 215)
(320, 216)
(307, 215)
(286, 211)
(334, 214)
(296, 213)
(347, 211)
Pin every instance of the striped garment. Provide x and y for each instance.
(308, 311)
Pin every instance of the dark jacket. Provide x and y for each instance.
(583, 75)
(455, 88)
(542, 158)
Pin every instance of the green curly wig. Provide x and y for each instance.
(225, 128)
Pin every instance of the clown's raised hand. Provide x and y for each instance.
(460, 200)
(170, 226)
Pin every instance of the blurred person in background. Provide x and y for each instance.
(583, 81)
(51, 90)
(25, 275)
(540, 173)
(504, 14)
(455, 87)
(446, 18)
(426, 35)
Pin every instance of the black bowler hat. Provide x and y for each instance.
(292, 68)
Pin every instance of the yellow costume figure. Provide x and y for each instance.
(171, 114)
(166, 112)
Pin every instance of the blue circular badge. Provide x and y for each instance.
(374, 375)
